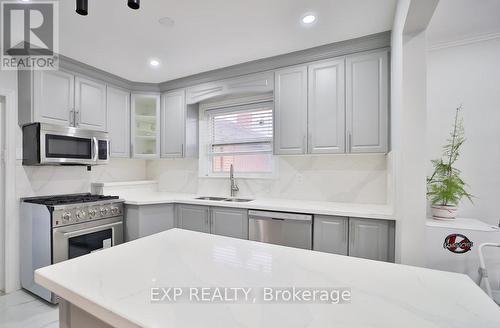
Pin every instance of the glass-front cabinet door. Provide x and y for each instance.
(145, 125)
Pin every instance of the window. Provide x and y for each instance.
(241, 136)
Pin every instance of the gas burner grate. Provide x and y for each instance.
(69, 199)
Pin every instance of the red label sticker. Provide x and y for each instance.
(457, 243)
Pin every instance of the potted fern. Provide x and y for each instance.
(445, 187)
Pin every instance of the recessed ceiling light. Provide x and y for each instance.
(166, 21)
(308, 19)
(154, 62)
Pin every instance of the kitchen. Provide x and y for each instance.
(298, 159)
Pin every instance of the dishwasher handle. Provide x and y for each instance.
(253, 214)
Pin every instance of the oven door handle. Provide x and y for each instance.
(96, 149)
(80, 232)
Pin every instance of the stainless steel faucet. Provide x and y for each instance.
(234, 186)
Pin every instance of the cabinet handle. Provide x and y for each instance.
(352, 233)
(77, 118)
(304, 143)
(72, 117)
(309, 143)
(349, 141)
(182, 150)
(346, 230)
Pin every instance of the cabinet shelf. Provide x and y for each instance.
(145, 125)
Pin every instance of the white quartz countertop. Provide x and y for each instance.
(373, 211)
(115, 286)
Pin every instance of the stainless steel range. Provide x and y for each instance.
(62, 227)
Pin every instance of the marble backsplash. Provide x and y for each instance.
(336, 178)
(50, 180)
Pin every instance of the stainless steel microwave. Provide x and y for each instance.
(48, 144)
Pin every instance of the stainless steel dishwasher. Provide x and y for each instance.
(288, 229)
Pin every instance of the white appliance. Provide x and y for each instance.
(447, 249)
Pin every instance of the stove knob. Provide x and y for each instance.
(66, 216)
(92, 212)
(114, 210)
(104, 211)
(80, 215)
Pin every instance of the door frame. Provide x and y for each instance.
(8, 217)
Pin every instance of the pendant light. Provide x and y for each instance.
(82, 7)
(134, 4)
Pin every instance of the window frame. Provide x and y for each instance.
(206, 155)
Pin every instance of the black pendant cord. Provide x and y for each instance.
(83, 5)
(134, 4)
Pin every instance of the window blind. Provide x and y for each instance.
(242, 136)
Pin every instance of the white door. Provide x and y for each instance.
(367, 103)
(53, 97)
(326, 107)
(118, 121)
(90, 104)
(290, 111)
(173, 124)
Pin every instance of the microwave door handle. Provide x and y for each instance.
(76, 233)
(96, 149)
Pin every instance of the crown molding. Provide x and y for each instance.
(342, 48)
(365, 43)
(464, 41)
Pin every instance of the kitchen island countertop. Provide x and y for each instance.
(115, 286)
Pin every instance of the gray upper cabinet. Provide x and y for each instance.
(193, 217)
(90, 104)
(58, 97)
(173, 124)
(230, 222)
(290, 111)
(330, 234)
(118, 121)
(371, 239)
(326, 107)
(367, 105)
(53, 97)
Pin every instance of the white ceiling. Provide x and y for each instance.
(458, 19)
(208, 34)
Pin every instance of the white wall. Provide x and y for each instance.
(336, 178)
(408, 126)
(469, 75)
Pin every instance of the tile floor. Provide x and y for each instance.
(23, 310)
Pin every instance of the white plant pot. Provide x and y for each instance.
(444, 212)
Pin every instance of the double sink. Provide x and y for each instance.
(224, 199)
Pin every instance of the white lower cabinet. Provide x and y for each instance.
(331, 234)
(371, 239)
(230, 222)
(193, 217)
(145, 220)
